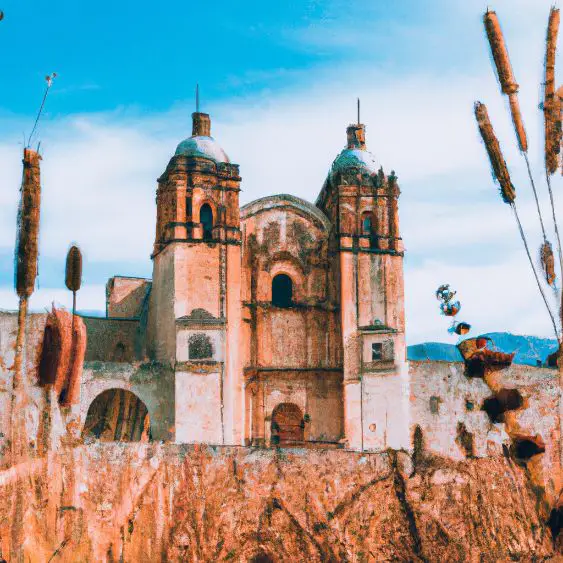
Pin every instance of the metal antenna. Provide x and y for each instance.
(197, 98)
(358, 111)
(49, 79)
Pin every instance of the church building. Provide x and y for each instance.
(281, 322)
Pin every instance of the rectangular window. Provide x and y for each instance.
(376, 351)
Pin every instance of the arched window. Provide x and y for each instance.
(282, 291)
(369, 230)
(199, 347)
(206, 219)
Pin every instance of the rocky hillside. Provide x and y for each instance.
(149, 502)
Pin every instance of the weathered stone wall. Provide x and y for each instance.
(126, 297)
(293, 354)
(161, 326)
(442, 398)
(113, 340)
(34, 395)
(318, 394)
(152, 383)
(196, 279)
(296, 338)
(166, 503)
(286, 235)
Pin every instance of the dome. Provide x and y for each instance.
(203, 147)
(355, 158)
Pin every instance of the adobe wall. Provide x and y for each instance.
(152, 383)
(385, 409)
(442, 398)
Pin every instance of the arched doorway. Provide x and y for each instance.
(287, 425)
(117, 415)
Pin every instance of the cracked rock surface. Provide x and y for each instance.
(150, 502)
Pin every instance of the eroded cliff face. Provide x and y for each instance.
(149, 502)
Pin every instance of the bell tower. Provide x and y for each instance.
(362, 203)
(195, 308)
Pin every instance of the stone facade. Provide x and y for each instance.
(277, 322)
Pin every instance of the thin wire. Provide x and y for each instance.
(49, 82)
(535, 195)
(554, 221)
(523, 236)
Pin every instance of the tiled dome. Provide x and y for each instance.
(203, 147)
(355, 158)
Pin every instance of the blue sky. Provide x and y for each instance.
(112, 54)
(280, 81)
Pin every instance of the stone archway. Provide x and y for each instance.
(288, 425)
(117, 415)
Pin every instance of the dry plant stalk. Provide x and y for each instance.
(26, 272)
(27, 246)
(548, 262)
(73, 281)
(500, 170)
(518, 122)
(551, 105)
(500, 53)
(505, 74)
(559, 110)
